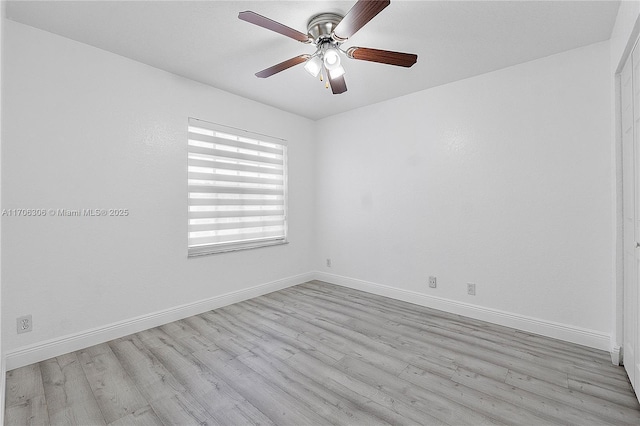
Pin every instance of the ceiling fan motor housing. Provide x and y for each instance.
(321, 26)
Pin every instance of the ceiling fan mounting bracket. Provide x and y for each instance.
(320, 27)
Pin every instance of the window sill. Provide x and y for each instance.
(204, 251)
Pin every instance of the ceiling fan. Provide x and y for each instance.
(327, 32)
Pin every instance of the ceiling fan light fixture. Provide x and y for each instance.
(336, 72)
(313, 66)
(331, 58)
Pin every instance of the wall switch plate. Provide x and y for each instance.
(432, 282)
(471, 289)
(25, 324)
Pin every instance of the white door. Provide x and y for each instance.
(630, 120)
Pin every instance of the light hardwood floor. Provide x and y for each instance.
(322, 354)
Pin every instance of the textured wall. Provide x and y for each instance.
(503, 180)
(89, 129)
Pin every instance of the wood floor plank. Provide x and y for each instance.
(196, 377)
(219, 400)
(348, 342)
(281, 408)
(499, 356)
(25, 401)
(187, 336)
(322, 354)
(23, 384)
(540, 406)
(316, 397)
(425, 357)
(70, 399)
(243, 414)
(182, 409)
(264, 339)
(179, 330)
(157, 338)
(232, 339)
(32, 412)
(144, 416)
(371, 335)
(368, 397)
(393, 309)
(598, 378)
(264, 315)
(488, 332)
(414, 348)
(589, 403)
(606, 393)
(485, 404)
(114, 390)
(425, 400)
(281, 335)
(151, 378)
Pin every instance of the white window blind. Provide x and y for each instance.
(237, 189)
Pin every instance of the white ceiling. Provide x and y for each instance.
(205, 41)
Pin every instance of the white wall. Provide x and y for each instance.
(503, 180)
(84, 128)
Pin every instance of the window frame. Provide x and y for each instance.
(247, 243)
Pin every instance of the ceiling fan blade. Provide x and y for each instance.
(282, 66)
(338, 85)
(382, 56)
(356, 18)
(272, 25)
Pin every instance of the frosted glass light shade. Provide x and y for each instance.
(331, 58)
(337, 71)
(313, 66)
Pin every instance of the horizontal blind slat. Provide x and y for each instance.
(236, 144)
(234, 166)
(232, 162)
(263, 230)
(219, 226)
(217, 189)
(225, 202)
(235, 155)
(234, 213)
(232, 178)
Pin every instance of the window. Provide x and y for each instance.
(237, 189)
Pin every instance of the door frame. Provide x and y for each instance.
(617, 336)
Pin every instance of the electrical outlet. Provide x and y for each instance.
(471, 289)
(24, 324)
(432, 282)
(328, 263)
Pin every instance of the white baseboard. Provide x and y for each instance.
(569, 333)
(616, 355)
(55, 347)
